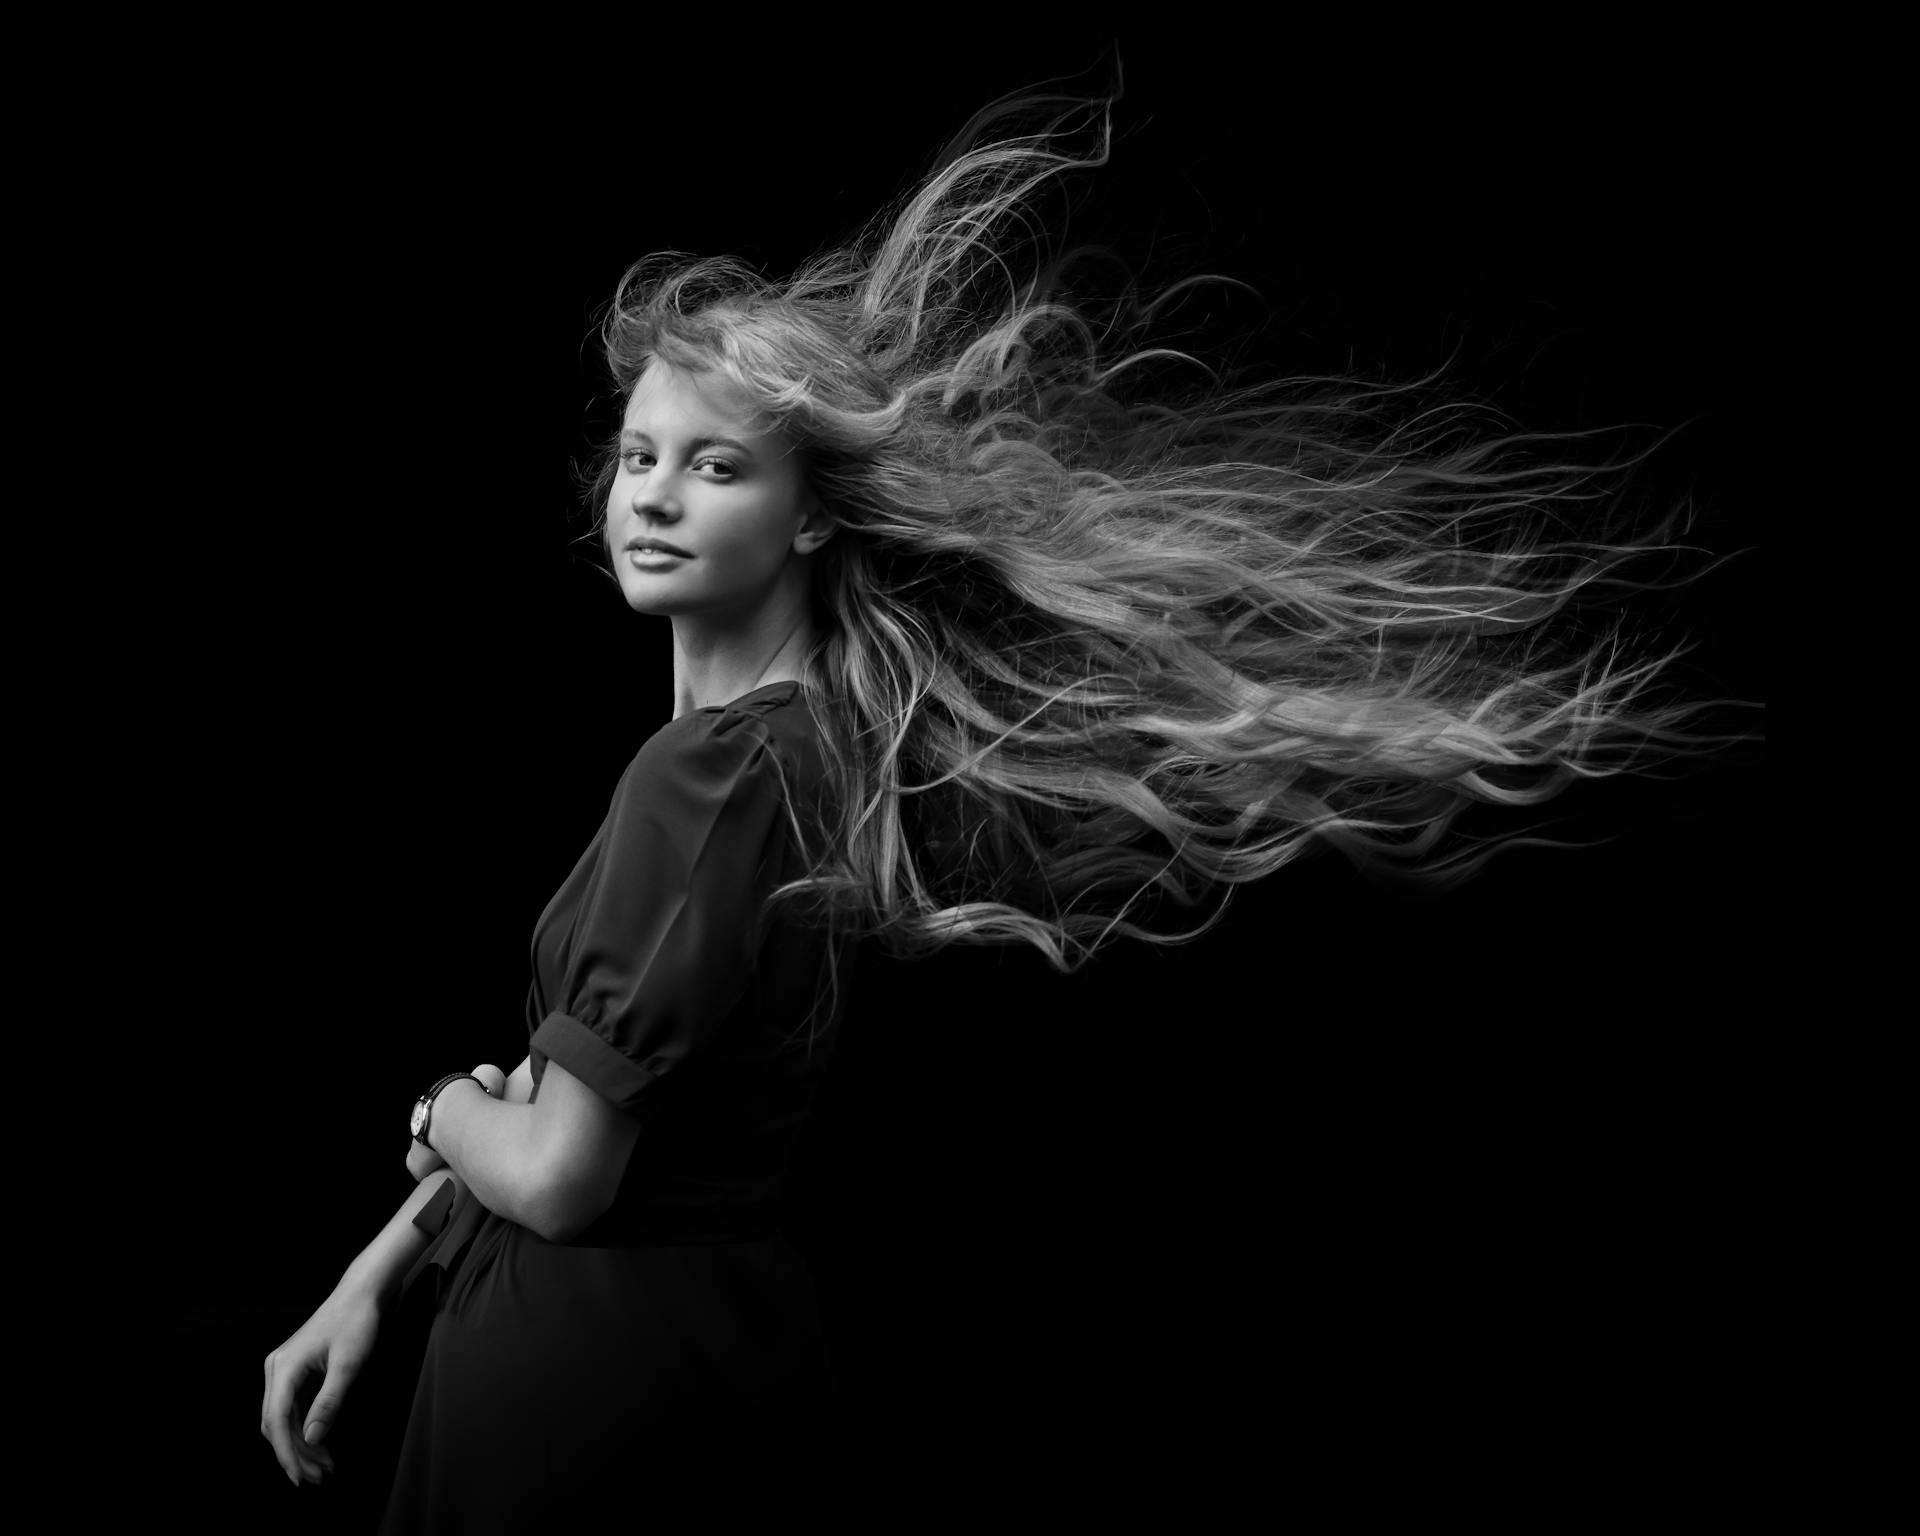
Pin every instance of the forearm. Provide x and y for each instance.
(384, 1262)
(494, 1147)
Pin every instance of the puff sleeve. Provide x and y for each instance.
(663, 935)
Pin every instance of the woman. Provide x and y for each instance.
(992, 621)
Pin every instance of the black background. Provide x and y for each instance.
(1359, 1198)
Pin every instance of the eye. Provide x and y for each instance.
(720, 467)
(634, 459)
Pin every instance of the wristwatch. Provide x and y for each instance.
(423, 1106)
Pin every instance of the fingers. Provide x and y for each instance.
(300, 1461)
(283, 1378)
(316, 1461)
(494, 1080)
(326, 1407)
(422, 1160)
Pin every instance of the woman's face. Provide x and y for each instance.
(706, 514)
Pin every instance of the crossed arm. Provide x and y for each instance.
(552, 1164)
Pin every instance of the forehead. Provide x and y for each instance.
(671, 400)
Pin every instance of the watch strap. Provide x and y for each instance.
(433, 1093)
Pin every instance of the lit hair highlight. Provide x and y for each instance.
(1091, 643)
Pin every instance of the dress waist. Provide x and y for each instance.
(645, 1226)
(467, 1238)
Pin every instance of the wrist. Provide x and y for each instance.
(436, 1122)
(422, 1119)
(373, 1279)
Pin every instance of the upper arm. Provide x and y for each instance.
(659, 948)
(662, 941)
(584, 1146)
(519, 1089)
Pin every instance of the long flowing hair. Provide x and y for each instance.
(1105, 632)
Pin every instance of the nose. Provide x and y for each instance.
(653, 497)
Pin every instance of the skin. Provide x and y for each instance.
(699, 472)
(337, 1340)
(695, 473)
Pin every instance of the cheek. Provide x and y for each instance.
(756, 536)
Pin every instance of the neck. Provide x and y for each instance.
(715, 663)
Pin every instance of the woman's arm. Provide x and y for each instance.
(552, 1165)
(339, 1337)
(337, 1340)
(384, 1262)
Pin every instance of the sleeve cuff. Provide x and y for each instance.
(431, 1218)
(617, 1078)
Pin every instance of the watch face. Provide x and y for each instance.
(419, 1115)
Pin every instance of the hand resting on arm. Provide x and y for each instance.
(556, 1163)
(553, 1165)
(518, 1089)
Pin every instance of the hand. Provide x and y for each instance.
(422, 1159)
(337, 1341)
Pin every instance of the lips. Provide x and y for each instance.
(657, 547)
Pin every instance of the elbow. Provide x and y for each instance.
(553, 1225)
(557, 1221)
(563, 1205)
(575, 1160)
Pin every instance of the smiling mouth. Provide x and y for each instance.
(657, 547)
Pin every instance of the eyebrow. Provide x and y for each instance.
(629, 435)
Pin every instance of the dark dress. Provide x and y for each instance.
(667, 1364)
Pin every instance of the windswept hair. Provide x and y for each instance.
(1093, 644)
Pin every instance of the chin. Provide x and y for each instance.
(645, 602)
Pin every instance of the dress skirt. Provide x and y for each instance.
(668, 1364)
(656, 1385)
